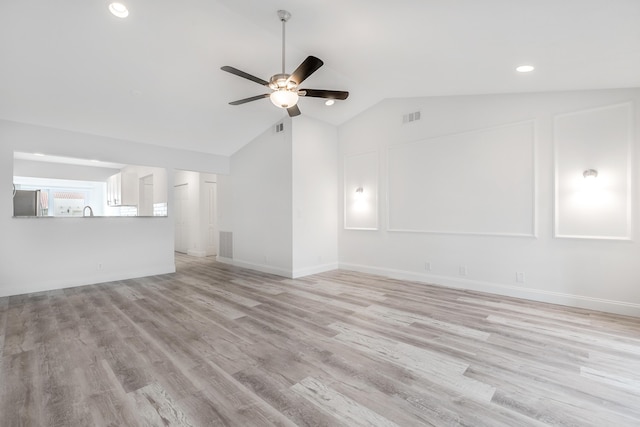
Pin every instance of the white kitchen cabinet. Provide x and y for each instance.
(122, 189)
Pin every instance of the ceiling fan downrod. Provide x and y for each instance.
(284, 17)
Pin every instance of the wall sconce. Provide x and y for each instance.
(359, 191)
(590, 174)
(359, 194)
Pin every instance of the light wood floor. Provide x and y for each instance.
(217, 345)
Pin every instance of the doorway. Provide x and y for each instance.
(210, 218)
(181, 197)
(145, 204)
(195, 199)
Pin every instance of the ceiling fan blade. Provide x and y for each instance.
(328, 94)
(253, 98)
(293, 111)
(244, 75)
(304, 70)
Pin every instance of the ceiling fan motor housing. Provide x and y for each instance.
(282, 81)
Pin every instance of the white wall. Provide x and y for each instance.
(280, 201)
(48, 253)
(30, 168)
(315, 196)
(460, 231)
(255, 203)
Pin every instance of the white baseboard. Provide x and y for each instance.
(258, 267)
(580, 301)
(224, 260)
(307, 271)
(85, 280)
(200, 254)
(301, 272)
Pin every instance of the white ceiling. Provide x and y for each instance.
(155, 77)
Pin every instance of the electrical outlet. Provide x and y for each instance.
(520, 277)
(462, 270)
(427, 266)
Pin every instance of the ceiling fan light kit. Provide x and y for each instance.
(285, 92)
(284, 98)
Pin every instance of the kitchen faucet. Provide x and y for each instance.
(84, 210)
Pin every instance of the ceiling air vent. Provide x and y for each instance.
(279, 127)
(411, 117)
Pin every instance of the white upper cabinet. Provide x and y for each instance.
(122, 189)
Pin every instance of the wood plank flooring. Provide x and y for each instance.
(218, 345)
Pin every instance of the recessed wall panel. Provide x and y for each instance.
(598, 139)
(361, 191)
(479, 182)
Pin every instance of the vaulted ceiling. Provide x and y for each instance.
(155, 76)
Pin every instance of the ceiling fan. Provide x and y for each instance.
(285, 90)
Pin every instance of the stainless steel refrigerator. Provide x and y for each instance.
(26, 203)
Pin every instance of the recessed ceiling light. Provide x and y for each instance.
(329, 102)
(118, 9)
(525, 68)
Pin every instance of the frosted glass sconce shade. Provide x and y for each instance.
(118, 9)
(590, 174)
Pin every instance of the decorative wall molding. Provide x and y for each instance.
(361, 171)
(579, 301)
(485, 142)
(600, 138)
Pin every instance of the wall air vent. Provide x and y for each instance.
(411, 117)
(279, 127)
